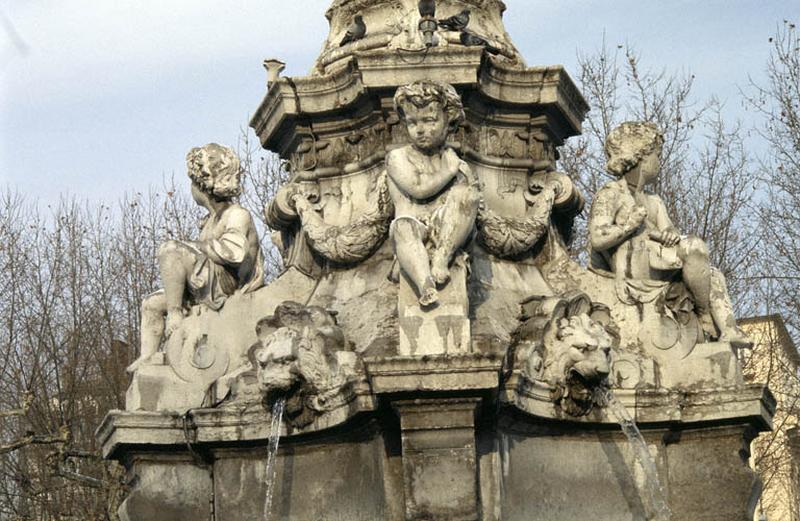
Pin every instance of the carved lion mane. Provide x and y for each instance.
(299, 357)
(565, 342)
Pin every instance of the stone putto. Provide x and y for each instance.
(434, 192)
(633, 237)
(225, 258)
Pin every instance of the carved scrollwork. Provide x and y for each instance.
(355, 241)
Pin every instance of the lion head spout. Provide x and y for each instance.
(566, 342)
(302, 357)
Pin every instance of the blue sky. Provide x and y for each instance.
(98, 97)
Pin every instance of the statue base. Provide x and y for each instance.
(440, 438)
(442, 328)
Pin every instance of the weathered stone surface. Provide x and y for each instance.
(167, 487)
(439, 458)
(466, 373)
(548, 473)
(157, 388)
(311, 481)
(363, 291)
(424, 230)
(175, 382)
(438, 462)
(443, 329)
(709, 477)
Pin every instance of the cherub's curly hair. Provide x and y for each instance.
(423, 93)
(215, 169)
(627, 144)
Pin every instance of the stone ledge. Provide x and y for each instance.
(434, 373)
(230, 423)
(252, 422)
(549, 89)
(752, 403)
(143, 429)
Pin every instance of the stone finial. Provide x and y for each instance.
(428, 23)
(274, 68)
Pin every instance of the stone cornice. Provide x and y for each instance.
(294, 102)
(751, 403)
(134, 432)
(122, 431)
(291, 98)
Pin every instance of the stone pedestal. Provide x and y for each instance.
(440, 329)
(439, 459)
(156, 387)
(452, 453)
(438, 428)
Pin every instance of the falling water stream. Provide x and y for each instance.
(274, 439)
(659, 510)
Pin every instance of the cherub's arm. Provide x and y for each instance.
(230, 248)
(663, 222)
(604, 232)
(667, 234)
(409, 180)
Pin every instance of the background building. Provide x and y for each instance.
(776, 456)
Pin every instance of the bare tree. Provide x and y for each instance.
(73, 278)
(778, 102)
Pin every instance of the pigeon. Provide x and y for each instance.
(457, 22)
(355, 32)
(473, 40)
(427, 8)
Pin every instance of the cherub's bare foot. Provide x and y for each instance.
(736, 339)
(429, 295)
(707, 324)
(439, 269)
(142, 360)
(174, 320)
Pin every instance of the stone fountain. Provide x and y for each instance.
(435, 352)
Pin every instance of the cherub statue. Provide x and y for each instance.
(434, 192)
(226, 258)
(632, 236)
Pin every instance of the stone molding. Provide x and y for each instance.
(752, 403)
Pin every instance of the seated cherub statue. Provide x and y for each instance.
(225, 259)
(434, 192)
(632, 235)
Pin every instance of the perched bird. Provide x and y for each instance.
(356, 31)
(457, 22)
(473, 40)
(427, 8)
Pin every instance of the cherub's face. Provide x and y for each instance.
(648, 167)
(199, 196)
(427, 126)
